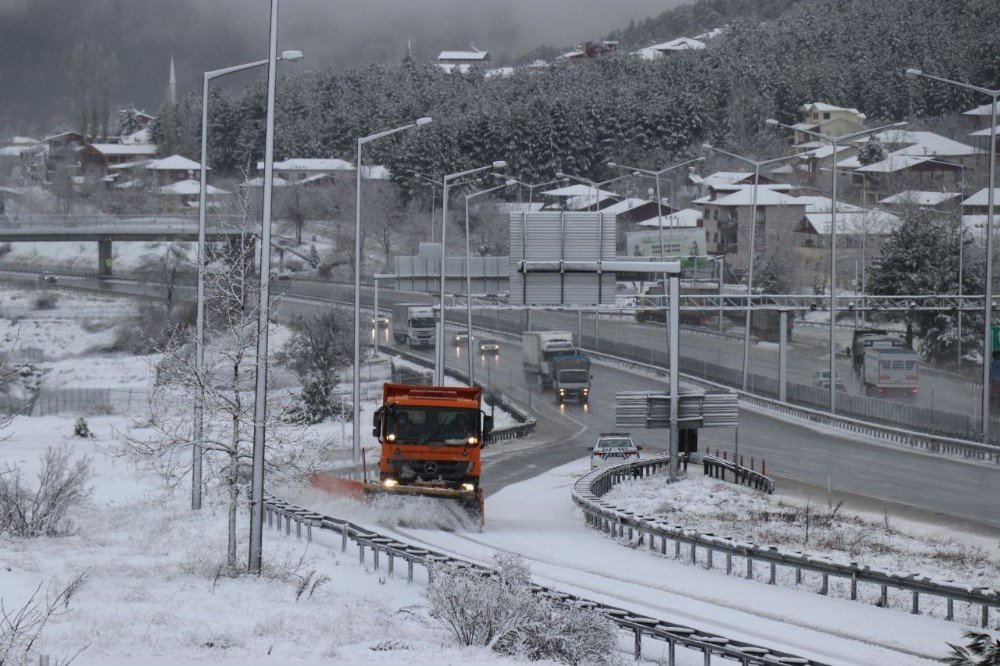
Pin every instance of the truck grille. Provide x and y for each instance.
(430, 470)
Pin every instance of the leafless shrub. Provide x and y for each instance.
(46, 302)
(500, 611)
(982, 649)
(21, 628)
(62, 485)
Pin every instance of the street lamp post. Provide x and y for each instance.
(756, 164)
(468, 270)
(263, 312)
(199, 407)
(659, 199)
(835, 142)
(439, 357)
(994, 95)
(356, 447)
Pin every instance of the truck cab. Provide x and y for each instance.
(430, 439)
(570, 376)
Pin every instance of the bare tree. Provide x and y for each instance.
(93, 74)
(21, 628)
(227, 381)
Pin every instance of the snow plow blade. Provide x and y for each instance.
(336, 485)
(471, 500)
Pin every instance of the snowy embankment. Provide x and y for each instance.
(155, 589)
(714, 507)
(153, 592)
(537, 519)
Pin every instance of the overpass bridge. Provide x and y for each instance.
(105, 229)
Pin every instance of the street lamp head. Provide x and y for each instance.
(291, 56)
(426, 120)
(901, 123)
(612, 165)
(510, 182)
(772, 122)
(500, 164)
(561, 176)
(707, 146)
(914, 73)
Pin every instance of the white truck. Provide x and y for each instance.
(890, 371)
(414, 324)
(539, 347)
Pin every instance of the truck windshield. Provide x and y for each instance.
(433, 424)
(422, 322)
(574, 376)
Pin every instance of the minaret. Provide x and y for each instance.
(172, 86)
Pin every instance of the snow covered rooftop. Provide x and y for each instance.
(822, 107)
(18, 150)
(766, 196)
(464, 55)
(125, 166)
(897, 161)
(925, 143)
(576, 191)
(823, 152)
(259, 182)
(141, 136)
(985, 132)
(190, 186)
(23, 141)
(920, 198)
(867, 221)
(625, 205)
(124, 149)
(686, 218)
(817, 204)
(311, 164)
(981, 198)
(674, 45)
(984, 110)
(720, 178)
(174, 163)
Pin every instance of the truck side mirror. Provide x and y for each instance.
(487, 424)
(377, 422)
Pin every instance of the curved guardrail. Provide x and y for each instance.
(620, 523)
(718, 467)
(281, 514)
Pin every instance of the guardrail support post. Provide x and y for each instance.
(798, 575)
(854, 587)
(984, 619)
(343, 538)
(361, 552)
(298, 529)
(729, 563)
(637, 650)
(389, 567)
(409, 570)
(708, 560)
(749, 567)
(825, 587)
(677, 549)
(375, 550)
(915, 606)
(671, 652)
(694, 554)
(771, 578)
(884, 597)
(708, 656)
(950, 613)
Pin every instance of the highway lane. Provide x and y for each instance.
(949, 487)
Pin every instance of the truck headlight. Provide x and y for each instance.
(468, 486)
(390, 483)
(391, 437)
(473, 440)
(562, 391)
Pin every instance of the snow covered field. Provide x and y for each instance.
(152, 595)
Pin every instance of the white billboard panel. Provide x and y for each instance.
(677, 243)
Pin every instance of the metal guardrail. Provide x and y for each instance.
(278, 511)
(600, 514)
(717, 468)
(930, 443)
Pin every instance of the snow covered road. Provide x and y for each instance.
(537, 519)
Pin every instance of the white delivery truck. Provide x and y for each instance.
(414, 324)
(539, 347)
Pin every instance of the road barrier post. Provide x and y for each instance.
(783, 356)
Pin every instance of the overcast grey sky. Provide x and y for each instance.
(36, 37)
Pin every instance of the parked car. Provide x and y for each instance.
(613, 447)
(489, 346)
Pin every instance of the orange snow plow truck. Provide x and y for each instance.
(431, 437)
